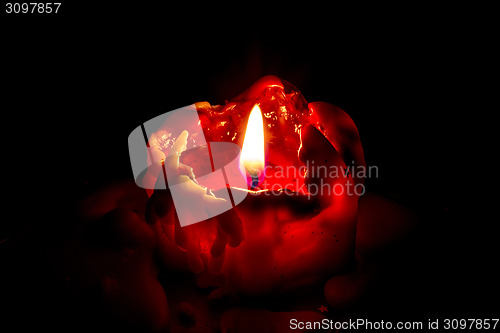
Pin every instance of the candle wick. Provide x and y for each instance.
(255, 178)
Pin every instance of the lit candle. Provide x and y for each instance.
(252, 160)
(297, 227)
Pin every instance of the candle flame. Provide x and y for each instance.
(252, 159)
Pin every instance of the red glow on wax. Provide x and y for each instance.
(284, 112)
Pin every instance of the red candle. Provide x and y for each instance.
(298, 224)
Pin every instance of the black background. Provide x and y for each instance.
(75, 85)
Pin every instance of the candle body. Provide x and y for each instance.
(285, 236)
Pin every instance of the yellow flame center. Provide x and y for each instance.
(252, 153)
